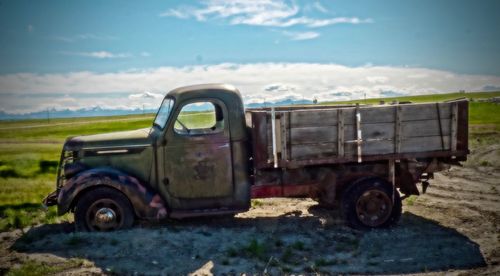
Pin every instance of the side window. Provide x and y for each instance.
(199, 118)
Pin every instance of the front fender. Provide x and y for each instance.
(147, 204)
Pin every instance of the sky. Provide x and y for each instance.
(126, 54)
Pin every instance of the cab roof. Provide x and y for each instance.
(203, 90)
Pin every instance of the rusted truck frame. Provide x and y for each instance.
(362, 157)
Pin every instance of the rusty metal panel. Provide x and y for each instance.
(463, 126)
(260, 139)
(454, 126)
(266, 191)
(199, 167)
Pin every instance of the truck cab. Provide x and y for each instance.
(193, 160)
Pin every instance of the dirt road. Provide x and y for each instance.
(453, 228)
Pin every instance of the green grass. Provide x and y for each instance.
(55, 132)
(28, 156)
(428, 98)
(480, 113)
(256, 249)
(410, 201)
(194, 120)
(484, 117)
(34, 268)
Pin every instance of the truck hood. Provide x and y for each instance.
(112, 139)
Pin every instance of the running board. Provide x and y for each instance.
(205, 212)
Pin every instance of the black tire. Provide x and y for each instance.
(111, 206)
(379, 192)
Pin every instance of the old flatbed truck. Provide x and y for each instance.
(206, 155)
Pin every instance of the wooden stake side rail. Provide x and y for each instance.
(296, 137)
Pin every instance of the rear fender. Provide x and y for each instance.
(147, 204)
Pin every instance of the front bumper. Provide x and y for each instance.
(66, 157)
(51, 199)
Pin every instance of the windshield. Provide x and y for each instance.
(163, 113)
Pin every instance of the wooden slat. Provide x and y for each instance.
(289, 136)
(313, 135)
(310, 151)
(414, 112)
(274, 138)
(408, 129)
(454, 121)
(269, 136)
(397, 129)
(277, 124)
(340, 132)
(370, 115)
(392, 175)
(412, 144)
(370, 131)
(440, 125)
(313, 118)
(429, 143)
(370, 148)
(359, 134)
(424, 128)
(284, 133)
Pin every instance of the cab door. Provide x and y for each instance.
(198, 152)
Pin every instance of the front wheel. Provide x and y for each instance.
(371, 203)
(103, 209)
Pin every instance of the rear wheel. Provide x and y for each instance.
(103, 209)
(369, 203)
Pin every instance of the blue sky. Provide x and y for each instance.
(82, 50)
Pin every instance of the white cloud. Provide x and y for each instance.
(279, 87)
(146, 95)
(301, 35)
(99, 54)
(337, 20)
(145, 54)
(271, 13)
(319, 7)
(377, 79)
(179, 13)
(257, 82)
(30, 28)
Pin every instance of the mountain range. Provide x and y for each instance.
(99, 111)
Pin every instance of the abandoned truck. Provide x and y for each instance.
(204, 155)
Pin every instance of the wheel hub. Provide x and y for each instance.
(105, 216)
(373, 208)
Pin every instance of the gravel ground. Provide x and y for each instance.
(454, 228)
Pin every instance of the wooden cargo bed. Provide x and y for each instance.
(333, 134)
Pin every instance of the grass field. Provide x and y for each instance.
(29, 152)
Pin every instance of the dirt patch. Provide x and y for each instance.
(309, 240)
(455, 227)
(485, 156)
